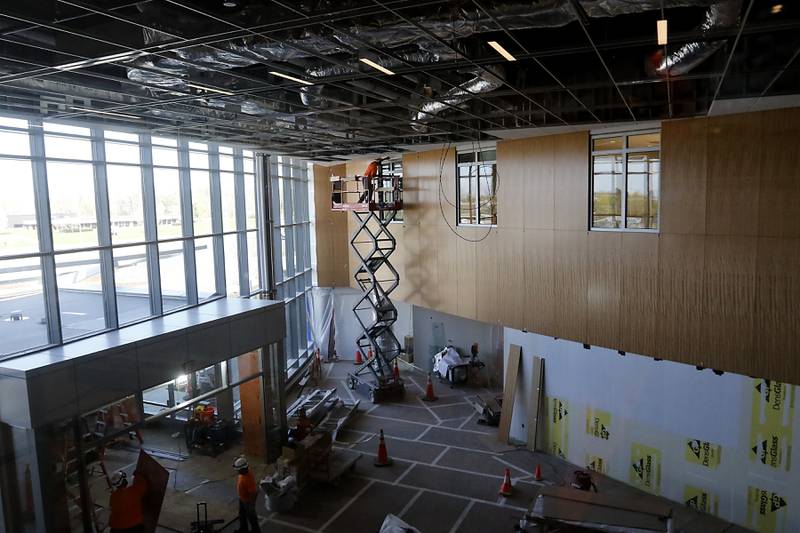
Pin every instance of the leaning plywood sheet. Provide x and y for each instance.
(509, 391)
(157, 478)
(534, 402)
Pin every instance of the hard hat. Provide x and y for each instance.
(240, 463)
(118, 479)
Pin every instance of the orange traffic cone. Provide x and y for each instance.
(429, 396)
(505, 488)
(538, 473)
(396, 371)
(383, 455)
(359, 360)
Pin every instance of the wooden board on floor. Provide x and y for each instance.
(157, 478)
(535, 402)
(509, 391)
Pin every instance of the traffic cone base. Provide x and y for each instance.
(505, 488)
(383, 456)
(359, 360)
(429, 396)
(538, 474)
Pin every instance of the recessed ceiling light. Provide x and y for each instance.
(110, 113)
(210, 89)
(661, 31)
(230, 3)
(376, 66)
(502, 51)
(777, 8)
(288, 77)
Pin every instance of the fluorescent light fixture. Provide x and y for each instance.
(376, 66)
(282, 75)
(661, 30)
(209, 89)
(109, 113)
(502, 51)
(100, 60)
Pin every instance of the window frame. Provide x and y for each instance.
(476, 162)
(38, 129)
(393, 168)
(624, 151)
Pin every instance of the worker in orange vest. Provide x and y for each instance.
(126, 503)
(248, 492)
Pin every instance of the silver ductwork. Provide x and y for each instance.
(480, 84)
(683, 60)
(400, 38)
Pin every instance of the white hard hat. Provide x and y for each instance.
(118, 479)
(240, 462)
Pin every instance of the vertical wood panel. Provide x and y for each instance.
(777, 326)
(488, 273)
(511, 279)
(779, 187)
(734, 156)
(570, 284)
(511, 176)
(411, 204)
(639, 292)
(680, 297)
(447, 270)
(538, 187)
(467, 278)
(604, 288)
(730, 264)
(414, 272)
(683, 176)
(428, 252)
(331, 228)
(539, 303)
(571, 181)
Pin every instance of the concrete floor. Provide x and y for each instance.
(445, 478)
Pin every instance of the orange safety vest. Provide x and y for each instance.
(126, 505)
(372, 170)
(246, 487)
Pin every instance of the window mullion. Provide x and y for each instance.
(216, 220)
(45, 232)
(188, 222)
(104, 228)
(150, 224)
(625, 182)
(241, 222)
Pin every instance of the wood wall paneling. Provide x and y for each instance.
(511, 176)
(717, 287)
(728, 321)
(571, 181)
(734, 158)
(488, 275)
(779, 186)
(776, 342)
(570, 285)
(331, 227)
(447, 269)
(539, 304)
(683, 176)
(639, 293)
(511, 278)
(467, 273)
(604, 288)
(681, 297)
(538, 188)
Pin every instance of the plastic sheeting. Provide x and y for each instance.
(319, 309)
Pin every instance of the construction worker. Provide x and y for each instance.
(248, 492)
(126, 503)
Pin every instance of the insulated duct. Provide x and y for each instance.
(683, 60)
(343, 40)
(482, 83)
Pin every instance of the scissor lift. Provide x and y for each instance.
(375, 202)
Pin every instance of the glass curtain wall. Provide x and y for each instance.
(101, 228)
(291, 227)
